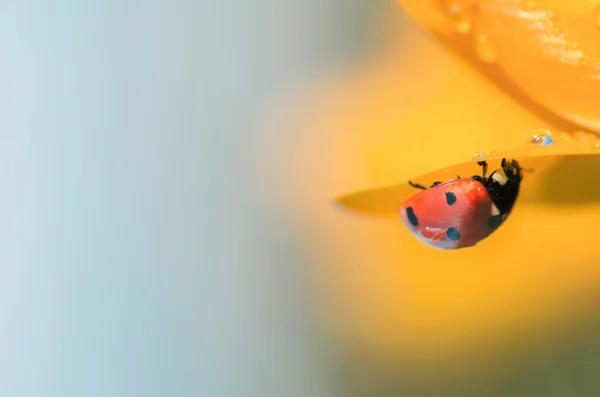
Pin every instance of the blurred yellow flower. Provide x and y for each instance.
(547, 48)
(416, 108)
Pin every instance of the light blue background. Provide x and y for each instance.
(134, 262)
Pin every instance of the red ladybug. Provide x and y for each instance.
(461, 212)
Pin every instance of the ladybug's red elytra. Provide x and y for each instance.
(461, 212)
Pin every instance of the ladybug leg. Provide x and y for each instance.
(435, 183)
(416, 185)
(484, 167)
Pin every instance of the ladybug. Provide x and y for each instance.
(461, 212)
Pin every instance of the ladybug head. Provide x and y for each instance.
(512, 170)
(503, 185)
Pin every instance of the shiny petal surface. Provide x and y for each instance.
(547, 48)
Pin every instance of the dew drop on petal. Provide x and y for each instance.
(459, 11)
(547, 140)
(479, 156)
(566, 140)
(581, 138)
(485, 48)
(539, 138)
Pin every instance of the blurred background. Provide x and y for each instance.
(168, 169)
(136, 258)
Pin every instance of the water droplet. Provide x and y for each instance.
(547, 140)
(581, 138)
(479, 156)
(485, 49)
(565, 139)
(493, 153)
(539, 138)
(596, 16)
(459, 11)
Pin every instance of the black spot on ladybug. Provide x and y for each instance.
(450, 198)
(494, 221)
(412, 217)
(453, 234)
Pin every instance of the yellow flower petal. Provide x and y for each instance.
(540, 162)
(547, 48)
